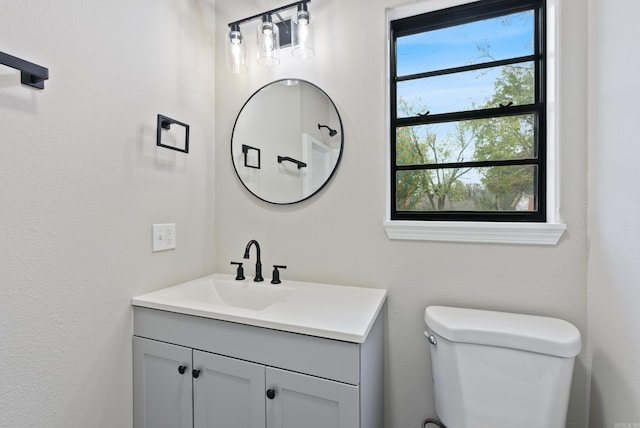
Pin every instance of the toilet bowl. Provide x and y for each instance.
(500, 370)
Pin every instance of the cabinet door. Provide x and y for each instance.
(228, 393)
(161, 393)
(302, 401)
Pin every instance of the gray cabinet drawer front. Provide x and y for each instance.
(326, 358)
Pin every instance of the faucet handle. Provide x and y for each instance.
(275, 278)
(239, 272)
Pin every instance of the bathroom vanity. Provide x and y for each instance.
(216, 352)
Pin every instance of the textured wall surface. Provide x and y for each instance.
(614, 287)
(337, 236)
(81, 182)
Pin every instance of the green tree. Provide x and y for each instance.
(434, 189)
(507, 137)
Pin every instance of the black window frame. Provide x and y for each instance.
(458, 15)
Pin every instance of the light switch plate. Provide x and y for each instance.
(164, 237)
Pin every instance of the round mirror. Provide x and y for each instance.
(287, 141)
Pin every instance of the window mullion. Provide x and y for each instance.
(469, 164)
(471, 67)
(468, 115)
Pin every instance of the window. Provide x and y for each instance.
(468, 113)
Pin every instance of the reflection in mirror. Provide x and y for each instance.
(287, 141)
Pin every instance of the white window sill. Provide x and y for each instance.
(495, 233)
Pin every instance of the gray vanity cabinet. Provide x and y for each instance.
(162, 394)
(251, 377)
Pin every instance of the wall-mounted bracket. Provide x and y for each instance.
(298, 163)
(165, 123)
(30, 74)
(284, 29)
(251, 161)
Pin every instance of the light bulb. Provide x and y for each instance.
(302, 43)
(236, 51)
(268, 35)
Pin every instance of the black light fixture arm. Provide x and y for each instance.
(30, 74)
(268, 12)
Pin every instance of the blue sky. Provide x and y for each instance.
(456, 46)
(476, 42)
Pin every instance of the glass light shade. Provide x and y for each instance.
(302, 44)
(268, 43)
(236, 51)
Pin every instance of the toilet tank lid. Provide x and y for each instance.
(532, 333)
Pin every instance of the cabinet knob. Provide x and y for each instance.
(196, 373)
(271, 394)
(182, 369)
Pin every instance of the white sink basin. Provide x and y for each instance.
(220, 292)
(331, 311)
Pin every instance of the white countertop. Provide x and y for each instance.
(330, 311)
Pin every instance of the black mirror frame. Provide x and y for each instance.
(335, 167)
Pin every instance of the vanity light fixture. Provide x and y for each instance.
(332, 132)
(271, 36)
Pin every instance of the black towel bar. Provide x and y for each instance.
(30, 74)
(287, 158)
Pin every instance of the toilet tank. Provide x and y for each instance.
(500, 370)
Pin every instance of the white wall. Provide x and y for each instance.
(614, 272)
(81, 182)
(337, 236)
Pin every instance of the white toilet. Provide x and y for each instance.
(500, 370)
